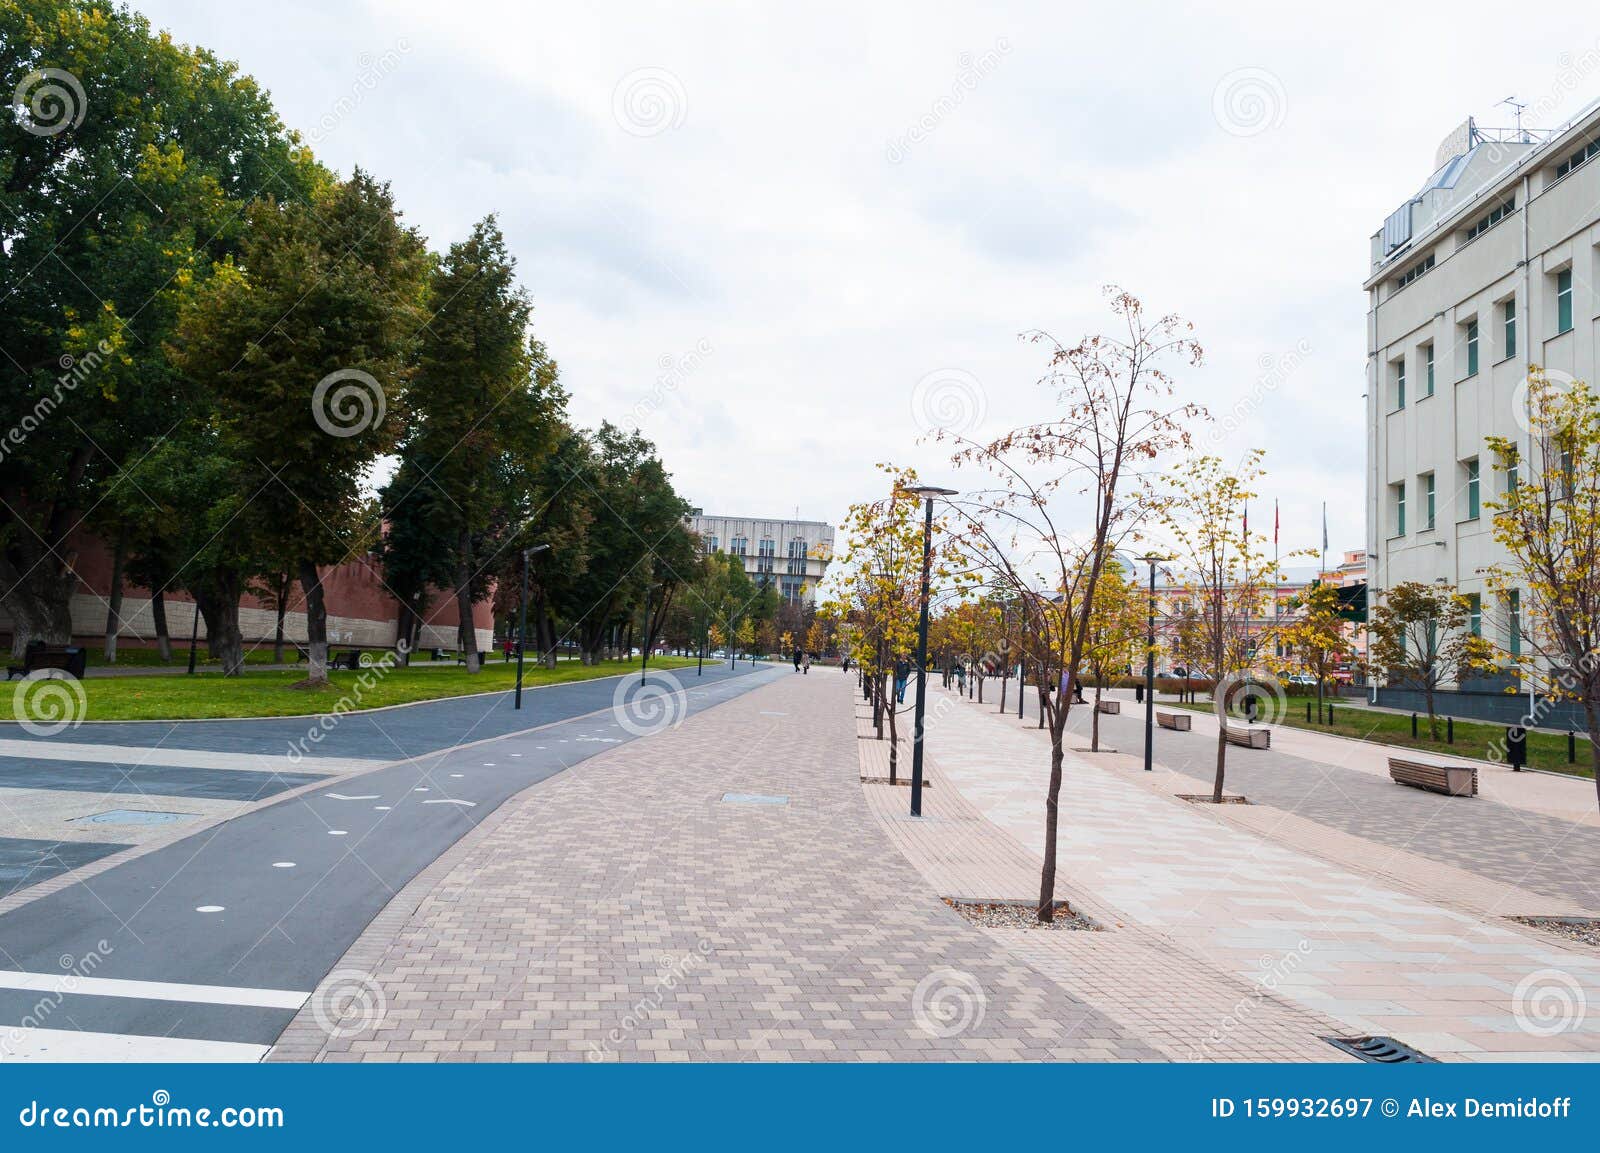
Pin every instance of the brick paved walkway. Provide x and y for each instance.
(1350, 947)
(625, 909)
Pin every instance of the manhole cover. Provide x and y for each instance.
(753, 799)
(130, 817)
(1382, 1050)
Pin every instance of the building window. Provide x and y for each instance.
(1412, 273)
(1399, 373)
(1563, 301)
(1427, 354)
(1399, 508)
(766, 549)
(1511, 476)
(1514, 623)
(1576, 158)
(1427, 501)
(1475, 614)
(1494, 216)
(1472, 347)
(1472, 490)
(791, 589)
(1508, 321)
(737, 546)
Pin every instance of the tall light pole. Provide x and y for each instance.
(522, 616)
(927, 493)
(1150, 667)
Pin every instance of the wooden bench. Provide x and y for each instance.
(1451, 780)
(1248, 738)
(1114, 708)
(70, 659)
(350, 660)
(1178, 722)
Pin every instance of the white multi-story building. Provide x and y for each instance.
(1490, 267)
(791, 555)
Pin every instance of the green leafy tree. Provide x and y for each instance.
(124, 169)
(1549, 525)
(1315, 639)
(307, 345)
(483, 414)
(1421, 639)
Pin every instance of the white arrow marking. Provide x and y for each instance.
(468, 804)
(342, 797)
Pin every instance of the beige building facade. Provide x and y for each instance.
(790, 555)
(1490, 267)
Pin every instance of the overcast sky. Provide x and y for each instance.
(782, 240)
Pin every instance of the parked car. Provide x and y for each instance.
(1305, 679)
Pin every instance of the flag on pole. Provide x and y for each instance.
(1324, 526)
(1247, 521)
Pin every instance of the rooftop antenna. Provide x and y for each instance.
(1516, 108)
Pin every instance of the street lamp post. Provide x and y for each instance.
(522, 617)
(1150, 668)
(927, 493)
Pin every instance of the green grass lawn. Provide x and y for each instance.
(270, 692)
(1472, 738)
(148, 658)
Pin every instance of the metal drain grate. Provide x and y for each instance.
(1381, 1050)
(131, 817)
(753, 799)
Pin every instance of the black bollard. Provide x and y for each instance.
(1413, 726)
(1516, 748)
(1308, 712)
(1449, 730)
(1572, 747)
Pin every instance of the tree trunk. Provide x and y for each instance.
(1003, 680)
(39, 610)
(114, 604)
(469, 635)
(405, 624)
(281, 595)
(894, 742)
(1094, 722)
(219, 607)
(158, 614)
(316, 626)
(1222, 758)
(1052, 801)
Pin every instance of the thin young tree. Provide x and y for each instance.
(1422, 638)
(1227, 577)
(1116, 417)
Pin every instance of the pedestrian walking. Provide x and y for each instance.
(902, 674)
(796, 660)
(805, 665)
